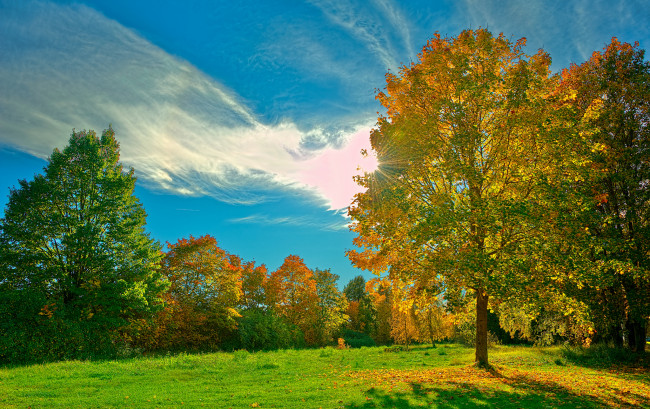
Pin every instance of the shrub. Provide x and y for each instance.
(260, 330)
(357, 339)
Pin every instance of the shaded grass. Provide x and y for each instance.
(329, 378)
(602, 356)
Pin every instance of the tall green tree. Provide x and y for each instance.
(458, 153)
(77, 265)
(360, 312)
(355, 289)
(610, 94)
(332, 303)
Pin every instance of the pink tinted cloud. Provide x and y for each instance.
(331, 172)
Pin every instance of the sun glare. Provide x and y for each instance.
(369, 163)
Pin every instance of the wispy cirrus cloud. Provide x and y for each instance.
(69, 66)
(368, 27)
(396, 17)
(300, 221)
(569, 30)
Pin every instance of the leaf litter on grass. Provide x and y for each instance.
(603, 388)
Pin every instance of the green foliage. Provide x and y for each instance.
(332, 306)
(264, 330)
(76, 266)
(355, 289)
(604, 356)
(356, 339)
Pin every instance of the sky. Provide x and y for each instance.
(245, 120)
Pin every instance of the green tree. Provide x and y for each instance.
(610, 94)
(355, 289)
(77, 265)
(332, 305)
(361, 312)
(459, 155)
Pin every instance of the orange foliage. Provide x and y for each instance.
(253, 283)
(291, 292)
(353, 315)
(205, 288)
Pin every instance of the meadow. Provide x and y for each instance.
(377, 377)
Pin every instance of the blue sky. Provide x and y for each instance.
(245, 119)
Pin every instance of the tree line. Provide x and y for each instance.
(80, 278)
(509, 204)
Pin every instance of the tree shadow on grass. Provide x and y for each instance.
(504, 392)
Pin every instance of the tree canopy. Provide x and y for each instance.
(610, 94)
(455, 194)
(75, 256)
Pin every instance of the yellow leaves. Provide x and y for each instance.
(233, 312)
(570, 95)
(594, 110)
(519, 380)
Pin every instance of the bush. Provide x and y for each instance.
(602, 355)
(28, 337)
(260, 330)
(357, 339)
(466, 334)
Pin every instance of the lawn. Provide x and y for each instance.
(442, 377)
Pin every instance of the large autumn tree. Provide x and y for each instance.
(77, 266)
(459, 156)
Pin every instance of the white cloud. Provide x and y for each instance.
(331, 171)
(69, 66)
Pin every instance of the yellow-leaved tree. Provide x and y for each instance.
(459, 149)
(203, 296)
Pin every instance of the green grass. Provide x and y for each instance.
(522, 377)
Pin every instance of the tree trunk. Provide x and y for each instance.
(641, 333)
(481, 356)
(636, 335)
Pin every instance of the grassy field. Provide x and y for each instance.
(442, 377)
